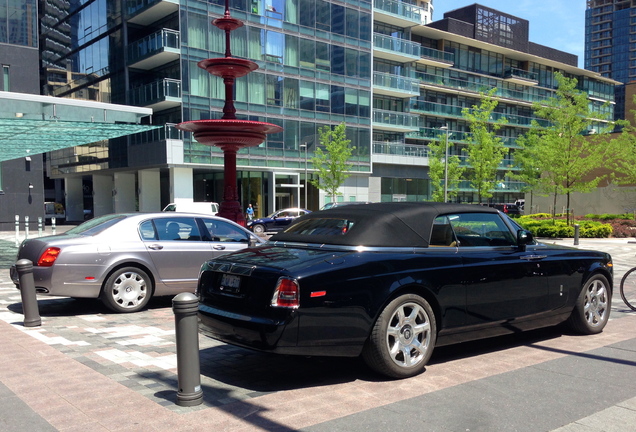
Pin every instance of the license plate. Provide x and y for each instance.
(230, 283)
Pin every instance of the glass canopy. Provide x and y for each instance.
(33, 124)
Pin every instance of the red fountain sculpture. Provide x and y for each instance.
(229, 133)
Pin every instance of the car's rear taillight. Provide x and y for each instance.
(48, 257)
(287, 294)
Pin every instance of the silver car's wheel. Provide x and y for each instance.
(403, 338)
(592, 309)
(258, 229)
(127, 290)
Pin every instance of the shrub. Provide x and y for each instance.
(607, 216)
(558, 228)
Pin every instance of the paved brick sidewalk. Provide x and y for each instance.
(86, 368)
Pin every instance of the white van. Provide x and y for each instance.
(193, 207)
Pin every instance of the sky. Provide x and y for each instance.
(558, 24)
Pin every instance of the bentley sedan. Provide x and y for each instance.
(391, 281)
(125, 259)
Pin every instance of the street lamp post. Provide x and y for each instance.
(306, 182)
(445, 127)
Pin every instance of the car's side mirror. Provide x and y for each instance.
(524, 238)
(252, 242)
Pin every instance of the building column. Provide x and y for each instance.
(149, 190)
(124, 192)
(74, 199)
(181, 184)
(102, 195)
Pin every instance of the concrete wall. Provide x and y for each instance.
(610, 199)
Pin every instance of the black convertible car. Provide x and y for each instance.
(391, 281)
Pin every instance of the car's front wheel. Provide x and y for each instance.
(592, 309)
(403, 338)
(258, 229)
(126, 290)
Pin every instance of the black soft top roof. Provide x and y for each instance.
(399, 224)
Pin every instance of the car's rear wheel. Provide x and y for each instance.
(127, 289)
(258, 229)
(403, 338)
(592, 309)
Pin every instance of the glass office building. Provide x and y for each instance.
(388, 71)
(610, 44)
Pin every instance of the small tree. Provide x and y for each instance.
(332, 163)
(623, 151)
(485, 149)
(568, 160)
(437, 167)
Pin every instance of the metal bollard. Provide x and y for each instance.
(40, 226)
(53, 225)
(185, 306)
(577, 228)
(27, 292)
(26, 227)
(17, 230)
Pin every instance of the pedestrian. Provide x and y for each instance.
(249, 212)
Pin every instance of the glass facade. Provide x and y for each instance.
(393, 81)
(610, 44)
(18, 22)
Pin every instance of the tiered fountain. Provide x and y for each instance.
(229, 133)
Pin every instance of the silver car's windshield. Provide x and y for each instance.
(97, 225)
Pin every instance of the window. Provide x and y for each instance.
(5, 78)
(221, 231)
(177, 229)
(479, 229)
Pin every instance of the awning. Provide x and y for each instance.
(33, 124)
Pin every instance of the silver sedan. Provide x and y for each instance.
(125, 259)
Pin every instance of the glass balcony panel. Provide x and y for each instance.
(156, 43)
(398, 47)
(398, 11)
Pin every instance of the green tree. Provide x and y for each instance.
(568, 161)
(485, 149)
(332, 162)
(437, 168)
(623, 151)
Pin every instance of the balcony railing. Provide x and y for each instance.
(168, 132)
(156, 91)
(479, 87)
(456, 111)
(396, 120)
(520, 74)
(396, 83)
(152, 44)
(399, 149)
(454, 136)
(400, 46)
(400, 9)
(439, 56)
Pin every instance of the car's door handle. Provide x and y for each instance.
(218, 247)
(155, 247)
(533, 257)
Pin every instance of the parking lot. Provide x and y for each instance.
(85, 367)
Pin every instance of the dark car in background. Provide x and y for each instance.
(277, 221)
(391, 281)
(509, 209)
(125, 259)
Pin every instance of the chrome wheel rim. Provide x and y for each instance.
(595, 308)
(259, 229)
(129, 290)
(408, 335)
